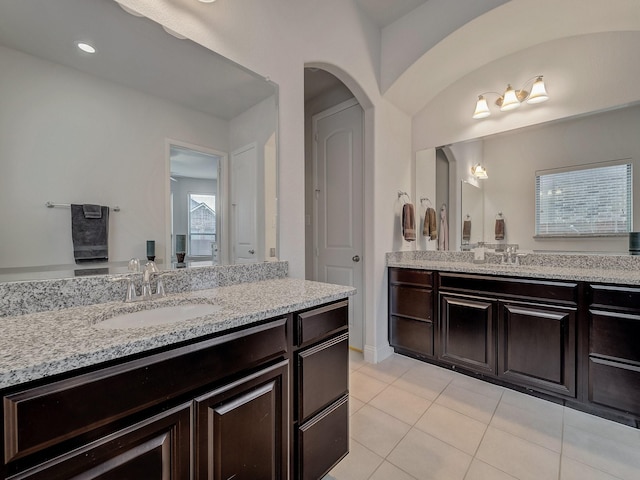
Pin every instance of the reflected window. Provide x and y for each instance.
(202, 224)
(584, 201)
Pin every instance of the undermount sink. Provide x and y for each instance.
(159, 316)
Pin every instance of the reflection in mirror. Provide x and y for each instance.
(472, 215)
(93, 129)
(513, 158)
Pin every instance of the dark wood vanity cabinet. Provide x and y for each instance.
(411, 326)
(217, 408)
(467, 327)
(614, 348)
(321, 390)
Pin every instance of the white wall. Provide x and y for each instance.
(67, 137)
(513, 158)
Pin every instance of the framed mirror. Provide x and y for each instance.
(98, 128)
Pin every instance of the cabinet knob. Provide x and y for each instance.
(356, 258)
(252, 251)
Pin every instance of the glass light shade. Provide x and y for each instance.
(510, 100)
(482, 109)
(538, 92)
(479, 171)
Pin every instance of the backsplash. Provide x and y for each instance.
(19, 298)
(568, 260)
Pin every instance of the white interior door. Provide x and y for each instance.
(244, 186)
(338, 226)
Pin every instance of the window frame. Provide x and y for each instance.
(627, 162)
(190, 234)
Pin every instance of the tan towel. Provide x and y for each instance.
(408, 222)
(430, 227)
(499, 228)
(466, 230)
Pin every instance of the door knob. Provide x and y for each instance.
(356, 258)
(252, 252)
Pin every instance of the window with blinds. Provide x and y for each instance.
(584, 201)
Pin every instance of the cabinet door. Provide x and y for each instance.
(155, 449)
(241, 428)
(536, 346)
(467, 325)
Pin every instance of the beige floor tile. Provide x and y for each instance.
(424, 382)
(572, 470)
(478, 386)
(376, 430)
(355, 405)
(456, 429)
(552, 411)
(617, 458)
(358, 465)
(363, 387)
(356, 360)
(427, 458)
(401, 404)
(387, 471)
(602, 427)
(534, 426)
(517, 457)
(482, 471)
(469, 403)
(390, 369)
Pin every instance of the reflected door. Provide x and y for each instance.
(338, 171)
(244, 195)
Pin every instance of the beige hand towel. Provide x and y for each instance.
(408, 222)
(430, 227)
(466, 230)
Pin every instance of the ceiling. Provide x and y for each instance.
(132, 51)
(385, 12)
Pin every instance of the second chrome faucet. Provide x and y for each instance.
(149, 270)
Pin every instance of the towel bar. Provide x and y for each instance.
(53, 205)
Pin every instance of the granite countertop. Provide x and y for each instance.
(547, 272)
(39, 345)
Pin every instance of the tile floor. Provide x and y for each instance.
(411, 420)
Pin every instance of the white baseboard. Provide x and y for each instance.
(377, 354)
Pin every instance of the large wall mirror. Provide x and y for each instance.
(165, 132)
(512, 160)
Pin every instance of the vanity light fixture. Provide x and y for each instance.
(479, 171)
(85, 47)
(511, 98)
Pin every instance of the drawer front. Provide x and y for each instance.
(423, 278)
(323, 441)
(415, 336)
(617, 297)
(615, 335)
(615, 385)
(411, 302)
(322, 375)
(510, 287)
(316, 324)
(78, 405)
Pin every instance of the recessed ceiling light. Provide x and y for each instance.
(207, 1)
(85, 47)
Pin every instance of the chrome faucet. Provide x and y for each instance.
(150, 269)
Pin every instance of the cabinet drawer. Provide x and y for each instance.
(614, 385)
(328, 432)
(423, 278)
(615, 335)
(411, 302)
(316, 324)
(72, 407)
(616, 297)
(322, 375)
(413, 335)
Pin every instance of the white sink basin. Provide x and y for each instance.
(159, 316)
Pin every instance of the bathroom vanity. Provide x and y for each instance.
(258, 390)
(567, 335)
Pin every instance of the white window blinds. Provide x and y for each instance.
(584, 202)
